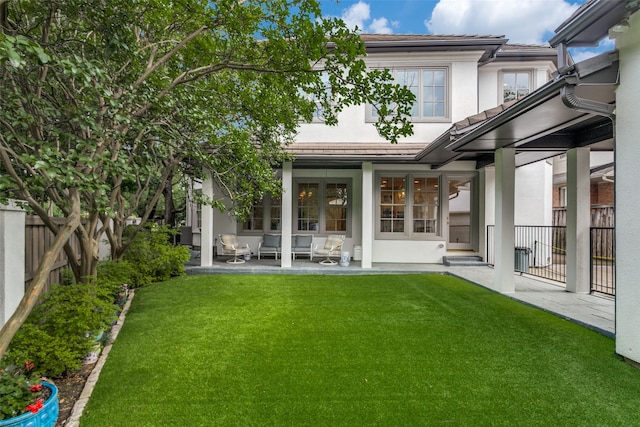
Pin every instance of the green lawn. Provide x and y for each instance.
(387, 350)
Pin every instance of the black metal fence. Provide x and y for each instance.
(603, 260)
(541, 251)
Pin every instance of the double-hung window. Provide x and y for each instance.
(515, 85)
(322, 206)
(408, 206)
(264, 215)
(318, 112)
(430, 86)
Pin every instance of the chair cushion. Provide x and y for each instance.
(229, 241)
(271, 240)
(304, 242)
(334, 242)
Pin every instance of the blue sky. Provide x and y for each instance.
(521, 21)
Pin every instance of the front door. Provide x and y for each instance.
(460, 223)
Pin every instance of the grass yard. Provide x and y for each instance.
(386, 350)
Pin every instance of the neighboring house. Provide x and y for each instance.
(405, 202)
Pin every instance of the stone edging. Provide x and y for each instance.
(78, 408)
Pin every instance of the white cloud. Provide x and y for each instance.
(380, 26)
(359, 15)
(522, 21)
(356, 15)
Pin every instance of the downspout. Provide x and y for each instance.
(573, 101)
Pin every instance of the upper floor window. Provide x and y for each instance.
(515, 85)
(431, 89)
(318, 113)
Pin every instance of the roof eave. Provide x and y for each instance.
(591, 25)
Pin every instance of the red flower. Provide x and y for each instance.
(28, 365)
(36, 388)
(35, 407)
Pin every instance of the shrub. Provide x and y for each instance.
(155, 257)
(60, 330)
(113, 274)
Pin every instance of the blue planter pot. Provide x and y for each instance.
(45, 417)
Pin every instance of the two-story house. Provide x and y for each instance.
(415, 201)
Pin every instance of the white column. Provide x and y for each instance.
(287, 212)
(367, 214)
(207, 241)
(627, 129)
(578, 221)
(505, 160)
(12, 247)
(482, 222)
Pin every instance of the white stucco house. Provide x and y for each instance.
(413, 202)
(489, 116)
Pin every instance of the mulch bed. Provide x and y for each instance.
(69, 389)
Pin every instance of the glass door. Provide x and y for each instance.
(460, 224)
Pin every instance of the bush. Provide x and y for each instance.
(61, 329)
(155, 258)
(113, 274)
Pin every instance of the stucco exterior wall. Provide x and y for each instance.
(627, 195)
(353, 126)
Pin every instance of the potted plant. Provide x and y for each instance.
(25, 399)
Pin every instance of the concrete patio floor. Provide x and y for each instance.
(590, 310)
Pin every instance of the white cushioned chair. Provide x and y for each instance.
(332, 248)
(230, 246)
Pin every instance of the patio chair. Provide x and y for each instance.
(332, 248)
(230, 246)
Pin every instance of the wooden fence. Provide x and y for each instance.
(601, 216)
(38, 239)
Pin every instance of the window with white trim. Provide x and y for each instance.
(515, 85)
(431, 89)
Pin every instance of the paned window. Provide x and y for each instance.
(308, 206)
(515, 85)
(425, 205)
(429, 86)
(264, 215)
(392, 205)
(323, 206)
(409, 205)
(336, 207)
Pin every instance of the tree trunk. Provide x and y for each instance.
(169, 206)
(39, 281)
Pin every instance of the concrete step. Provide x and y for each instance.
(458, 261)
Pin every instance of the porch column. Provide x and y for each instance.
(12, 255)
(627, 129)
(482, 214)
(287, 212)
(505, 161)
(578, 221)
(207, 241)
(367, 214)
